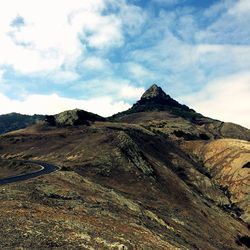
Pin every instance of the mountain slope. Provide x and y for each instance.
(14, 121)
(110, 174)
(228, 162)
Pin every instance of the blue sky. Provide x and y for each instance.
(100, 55)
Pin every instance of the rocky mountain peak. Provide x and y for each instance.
(154, 92)
(155, 99)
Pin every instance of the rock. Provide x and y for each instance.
(131, 150)
(73, 118)
(154, 92)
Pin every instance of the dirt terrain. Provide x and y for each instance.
(119, 186)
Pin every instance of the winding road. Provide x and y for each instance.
(46, 168)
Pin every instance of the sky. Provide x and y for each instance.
(101, 55)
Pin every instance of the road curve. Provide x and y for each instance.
(47, 168)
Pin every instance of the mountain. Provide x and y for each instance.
(146, 178)
(155, 99)
(14, 121)
(158, 111)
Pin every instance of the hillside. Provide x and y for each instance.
(14, 121)
(228, 162)
(143, 179)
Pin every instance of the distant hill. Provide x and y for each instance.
(73, 118)
(14, 121)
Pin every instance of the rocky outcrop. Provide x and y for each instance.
(155, 92)
(131, 150)
(73, 118)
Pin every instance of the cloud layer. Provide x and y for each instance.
(53, 104)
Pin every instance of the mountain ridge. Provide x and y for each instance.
(154, 99)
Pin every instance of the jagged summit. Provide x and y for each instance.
(154, 92)
(155, 99)
(155, 95)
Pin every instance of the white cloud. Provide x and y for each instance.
(118, 88)
(98, 31)
(138, 71)
(131, 92)
(95, 63)
(133, 18)
(226, 99)
(185, 66)
(61, 76)
(225, 57)
(52, 104)
(241, 7)
(228, 23)
(1, 74)
(159, 55)
(54, 33)
(168, 2)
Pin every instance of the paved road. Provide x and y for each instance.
(46, 168)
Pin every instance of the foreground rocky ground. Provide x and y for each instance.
(120, 187)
